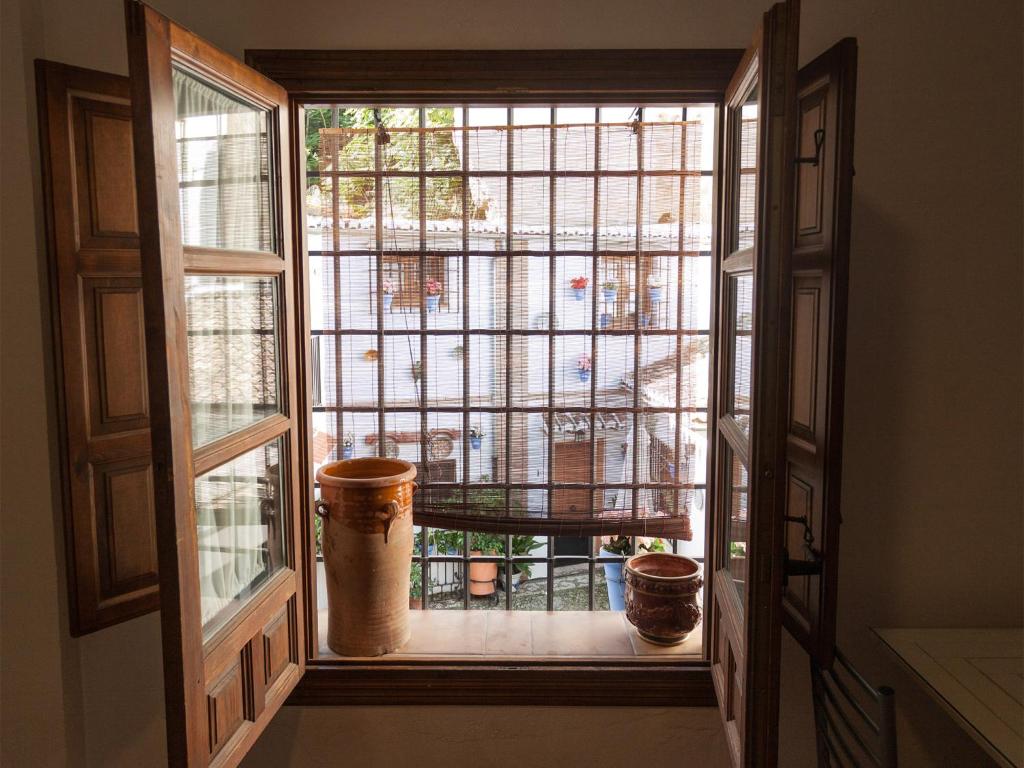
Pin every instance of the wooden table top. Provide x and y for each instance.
(975, 674)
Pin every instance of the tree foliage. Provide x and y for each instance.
(400, 195)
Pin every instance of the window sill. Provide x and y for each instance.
(497, 657)
(523, 636)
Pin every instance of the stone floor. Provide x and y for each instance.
(570, 593)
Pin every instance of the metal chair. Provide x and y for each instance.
(855, 723)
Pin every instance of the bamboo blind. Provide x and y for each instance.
(447, 330)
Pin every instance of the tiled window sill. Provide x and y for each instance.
(526, 636)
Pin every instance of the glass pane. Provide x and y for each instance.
(742, 301)
(737, 535)
(232, 353)
(224, 159)
(745, 202)
(240, 508)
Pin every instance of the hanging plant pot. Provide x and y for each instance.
(579, 293)
(388, 298)
(433, 302)
(604, 319)
(475, 442)
(655, 293)
(610, 294)
(347, 451)
(583, 374)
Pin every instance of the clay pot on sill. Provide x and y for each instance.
(662, 596)
(482, 576)
(366, 507)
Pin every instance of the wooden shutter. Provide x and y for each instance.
(821, 256)
(214, 186)
(99, 344)
(752, 331)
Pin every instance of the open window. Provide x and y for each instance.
(238, 380)
(759, 121)
(212, 164)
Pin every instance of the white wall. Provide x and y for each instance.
(932, 475)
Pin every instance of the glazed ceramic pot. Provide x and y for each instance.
(433, 302)
(662, 596)
(366, 507)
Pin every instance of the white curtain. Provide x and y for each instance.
(223, 168)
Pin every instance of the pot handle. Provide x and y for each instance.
(322, 509)
(388, 515)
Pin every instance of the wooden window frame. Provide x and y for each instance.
(482, 77)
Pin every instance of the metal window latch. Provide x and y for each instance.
(812, 565)
(819, 143)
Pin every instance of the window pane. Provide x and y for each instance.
(240, 509)
(233, 360)
(742, 300)
(224, 159)
(737, 536)
(745, 202)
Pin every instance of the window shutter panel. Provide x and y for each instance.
(821, 255)
(99, 345)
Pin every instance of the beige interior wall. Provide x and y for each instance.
(932, 478)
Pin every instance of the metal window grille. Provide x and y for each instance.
(403, 207)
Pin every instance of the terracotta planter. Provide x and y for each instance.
(662, 599)
(366, 506)
(482, 576)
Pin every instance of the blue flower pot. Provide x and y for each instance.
(433, 303)
(615, 582)
(605, 319)
(388, 298)
(655, 293)
(609, 294)
(579, 293)
(645, 319)
(584, 375)
(475, 443)
(347, 451)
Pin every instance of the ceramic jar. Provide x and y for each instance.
(662, 596)
(366, 507)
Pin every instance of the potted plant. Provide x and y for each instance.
(655, 287)
(615, 583)
(388, 287)
(604, 319)
(579, 286)
(476, 436)
(416, 585)
(433, 295)
(610, 289)
(583, 367)
(483, 575)
(522, 546)
(348, 446)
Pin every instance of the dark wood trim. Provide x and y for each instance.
(505, 76)
(552, 684)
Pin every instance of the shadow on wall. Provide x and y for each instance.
(902, 506)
